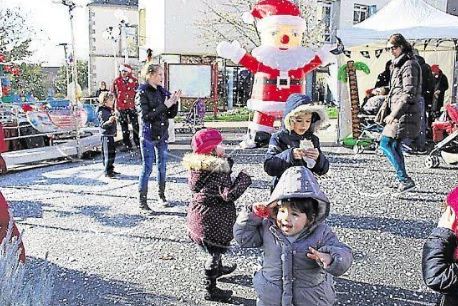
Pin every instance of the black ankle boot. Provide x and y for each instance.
(224, 270)
(143, 201)
(214, 293)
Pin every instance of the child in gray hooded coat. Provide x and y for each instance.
(301, 252)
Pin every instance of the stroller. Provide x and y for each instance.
(447, 147)
(370, 134)
(194, 120)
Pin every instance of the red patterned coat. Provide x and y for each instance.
(125, 91)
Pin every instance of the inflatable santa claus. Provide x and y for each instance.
(280, 64)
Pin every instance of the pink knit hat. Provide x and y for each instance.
(205, 141)
(452, 199)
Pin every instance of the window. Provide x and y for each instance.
(360, 13)
(327, 19)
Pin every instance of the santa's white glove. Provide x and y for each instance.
(232, 51)
(325, 55)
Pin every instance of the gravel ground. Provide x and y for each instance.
(104, 252)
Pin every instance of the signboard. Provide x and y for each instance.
(195, 81)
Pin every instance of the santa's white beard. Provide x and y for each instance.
(284, 60)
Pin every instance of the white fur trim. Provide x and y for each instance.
(309, 108)
(266, 106)
(252, 126)
(203, 162)
(248, 18)
(275, 20)
(123, 67)
(283, 60)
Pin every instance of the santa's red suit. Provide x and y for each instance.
(125, 90)
(277, 75)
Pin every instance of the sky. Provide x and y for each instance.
(52, 25)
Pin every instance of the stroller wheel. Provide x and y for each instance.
(358, 149)
(432, 162)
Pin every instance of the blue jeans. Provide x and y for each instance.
(108, 153)
(152, 152)
(392, 149)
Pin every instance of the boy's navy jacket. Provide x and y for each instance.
(106, 128)
(153, 111)
(279, 156)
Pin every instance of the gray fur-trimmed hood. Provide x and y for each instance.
(301, 103)
(297, 183)
(202, 162)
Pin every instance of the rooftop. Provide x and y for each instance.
(115, 2)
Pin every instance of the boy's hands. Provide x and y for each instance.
(312, 153)
(447, 219)
(112, 119)
(262, 210)
(323, 258)
(299, 153)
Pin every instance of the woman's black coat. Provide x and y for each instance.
(153, 110)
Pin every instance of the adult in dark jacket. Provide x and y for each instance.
(439, 261)
(427, 87)
(102, 88)
(211, 213)
(383, 79)
(440, 87)
(156, 109)
(403, 120)
(296, 144)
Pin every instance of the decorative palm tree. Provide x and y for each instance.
(346, 73)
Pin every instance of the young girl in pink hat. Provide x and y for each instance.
(440, 254)
(212, 213)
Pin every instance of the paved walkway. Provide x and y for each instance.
(328, 136)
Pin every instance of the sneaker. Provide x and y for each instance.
(224, 270)
(163, 202)
(407, 185)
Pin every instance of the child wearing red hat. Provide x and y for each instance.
(212, 213)
(440, 254)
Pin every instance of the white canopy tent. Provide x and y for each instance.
(418, 22)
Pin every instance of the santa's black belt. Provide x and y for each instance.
(274, 81)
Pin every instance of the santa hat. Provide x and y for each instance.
(435, 68)
(205, 141)
(275, 12)
(125, 67)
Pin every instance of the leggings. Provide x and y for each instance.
(392, 149)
